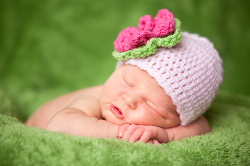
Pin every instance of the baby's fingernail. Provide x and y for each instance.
(120, 135)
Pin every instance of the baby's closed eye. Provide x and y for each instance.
(127, 82)
(150, 105)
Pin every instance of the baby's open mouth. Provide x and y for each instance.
(116, 111)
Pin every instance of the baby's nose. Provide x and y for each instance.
(131, 100)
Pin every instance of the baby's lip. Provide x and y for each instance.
(116, 111)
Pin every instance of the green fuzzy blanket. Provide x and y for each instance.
(227, 144)
(52, 47)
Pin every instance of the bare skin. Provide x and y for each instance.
(130, 106)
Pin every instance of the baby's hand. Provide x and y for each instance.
(146, 134)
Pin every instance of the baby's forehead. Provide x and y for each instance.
(136, 72)
(142, 77)
(135, 69)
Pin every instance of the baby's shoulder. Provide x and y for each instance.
(94, 91)
(67, 99)
(88, 101)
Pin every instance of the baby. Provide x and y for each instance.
(165, 80)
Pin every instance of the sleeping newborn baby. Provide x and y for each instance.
(164, 81)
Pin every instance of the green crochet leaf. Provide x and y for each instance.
(151, 46)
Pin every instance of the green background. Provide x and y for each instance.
(51, 47)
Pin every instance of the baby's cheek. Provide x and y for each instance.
(110, 118)
(106, 116)
(145, 117)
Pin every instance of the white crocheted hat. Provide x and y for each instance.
(190, 73)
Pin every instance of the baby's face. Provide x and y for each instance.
(131, 96)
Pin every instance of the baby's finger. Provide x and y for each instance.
(150, 142)
(136, 135)
(156, 142)
(122, 129)
(146, 136)
(129, 131)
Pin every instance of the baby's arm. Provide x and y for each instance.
(198, 127)
(83, 118)
(157, 135)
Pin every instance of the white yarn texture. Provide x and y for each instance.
(190, 73)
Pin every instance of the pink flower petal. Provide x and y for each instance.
(146, 23)
(123, 41)
(164, 23)
(142, 38)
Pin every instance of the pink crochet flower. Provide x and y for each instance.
(163, 24)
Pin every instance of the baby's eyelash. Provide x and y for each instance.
(149, 104)
(126, 82)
